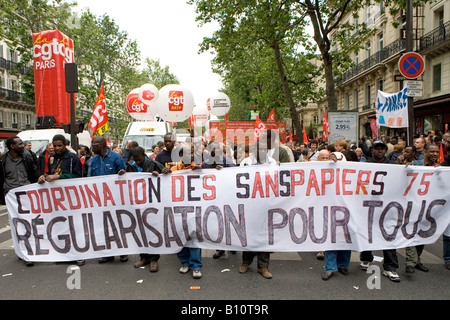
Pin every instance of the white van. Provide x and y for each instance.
(40, 138)
(146, 133)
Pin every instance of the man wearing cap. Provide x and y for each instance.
(390, 262)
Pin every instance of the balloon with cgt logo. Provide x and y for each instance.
(175, 103)
(148, 93)
(139, 109)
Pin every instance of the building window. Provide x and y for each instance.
(28, 119)
(316, 119)
(437, 77)
(380, 41)
(439, 18)
(13, 56)
(368, 50)
(1, 119)
(380, 84)
(368, 97)
(14, 118)
(355, 99)
(356, 58)
(381, 7)
(12, 85)
(346, 101)
(368, 14)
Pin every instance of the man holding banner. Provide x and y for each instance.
(62, 165)
(390, 263)
(413, 253)
(105, 162)
(142, 163)
(16, 169)
(263, 258)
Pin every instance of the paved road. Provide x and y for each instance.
(296, 276)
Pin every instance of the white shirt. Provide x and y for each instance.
(251, 160)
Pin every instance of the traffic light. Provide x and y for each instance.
(79, 127)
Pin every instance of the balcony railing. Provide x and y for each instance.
(12, 95)
(380, 56)
(11, 65)
(436, 36)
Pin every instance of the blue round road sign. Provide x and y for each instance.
(411, 65)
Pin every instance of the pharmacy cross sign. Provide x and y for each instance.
(411, 65)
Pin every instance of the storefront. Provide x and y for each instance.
(432, 114)
(6, 134)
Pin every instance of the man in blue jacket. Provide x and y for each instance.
(105, 162)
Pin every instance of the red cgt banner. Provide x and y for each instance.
(51, 50)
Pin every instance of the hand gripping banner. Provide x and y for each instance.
(314, 206)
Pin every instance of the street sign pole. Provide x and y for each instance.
(71, 78)
(409, 48)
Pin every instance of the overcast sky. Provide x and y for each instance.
(165, 30)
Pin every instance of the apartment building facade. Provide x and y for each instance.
(16, 113)
(376, 67)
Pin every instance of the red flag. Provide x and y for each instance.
(290, 137)
(191, 121)
(305, 136)
(326, 126)
(259, 128)
(99, 121)
(271, 116)
(441, 155)
(226, 117)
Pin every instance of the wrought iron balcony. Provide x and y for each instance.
(12, 95)
(380, 56)
(435, 37)
(11, 65)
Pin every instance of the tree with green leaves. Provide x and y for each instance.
(105, 55)
(158, 75)
(326, 18)
(20, 19)
(277, 24)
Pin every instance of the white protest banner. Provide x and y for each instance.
(392, 109)
(314, 206)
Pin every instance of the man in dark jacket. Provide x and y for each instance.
(390, 262)
(165, 155)
(17, 169)
(141, 163)
(62, 164)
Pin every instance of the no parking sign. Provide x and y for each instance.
(411, 65)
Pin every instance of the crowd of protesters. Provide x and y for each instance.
(20, 166)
